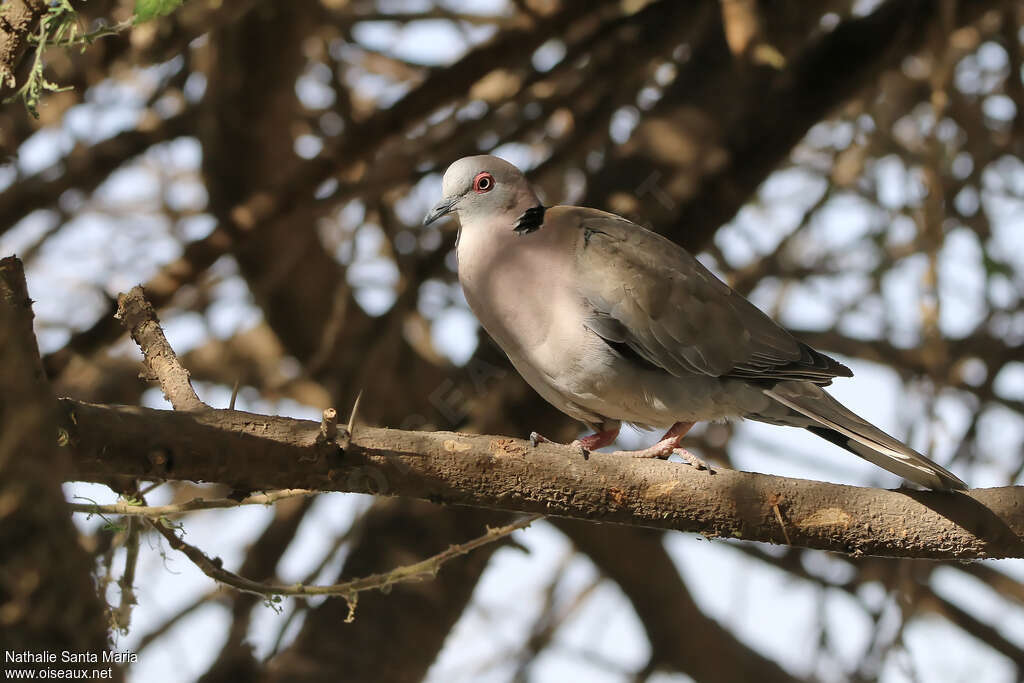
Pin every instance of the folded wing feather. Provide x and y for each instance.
(665, 306)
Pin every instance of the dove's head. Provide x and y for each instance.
(483, 186)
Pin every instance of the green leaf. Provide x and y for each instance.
(146, 10)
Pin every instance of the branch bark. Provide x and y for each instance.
(140, 320)
(258, 452)
(17, 22)
(44, 604)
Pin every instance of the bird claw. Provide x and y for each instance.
(693, 460)
(578, 446)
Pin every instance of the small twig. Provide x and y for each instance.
(329, 426)
(105, 575)
(555, 614)
(140, 320)
(122, 616)
(420, 571)
(156, 511)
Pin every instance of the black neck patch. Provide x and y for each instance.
(532, 219)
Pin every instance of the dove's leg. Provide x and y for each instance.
(599, 439)
(668, 444)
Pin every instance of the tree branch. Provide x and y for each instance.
(419, 571)
(140, 320)
(17, 22)
(131, 510)
(258, 452)
(46, 603)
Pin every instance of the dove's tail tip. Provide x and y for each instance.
(835, 422)
(908, 464)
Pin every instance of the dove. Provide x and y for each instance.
(612, 323)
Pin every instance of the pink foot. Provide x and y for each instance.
(668, 445)
(660, 450)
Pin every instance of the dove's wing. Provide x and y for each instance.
(650, 297)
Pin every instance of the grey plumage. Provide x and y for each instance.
(613, 323)
(672, 311)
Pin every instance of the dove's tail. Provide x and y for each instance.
(830, 419)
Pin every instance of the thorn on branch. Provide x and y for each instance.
(350, 428)
(774, 502)
(234, 395)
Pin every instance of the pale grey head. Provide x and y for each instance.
(483, 186)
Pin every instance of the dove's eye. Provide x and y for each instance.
(483, 182)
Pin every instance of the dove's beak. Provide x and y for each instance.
(442, 208)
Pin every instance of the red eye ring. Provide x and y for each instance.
(483, 182)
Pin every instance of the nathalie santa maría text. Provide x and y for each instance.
(68, 657)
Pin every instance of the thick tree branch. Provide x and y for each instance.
(44, 604)
(257, 452)
(749, 121)
(17, 22)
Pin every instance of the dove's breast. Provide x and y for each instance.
(520, 289)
